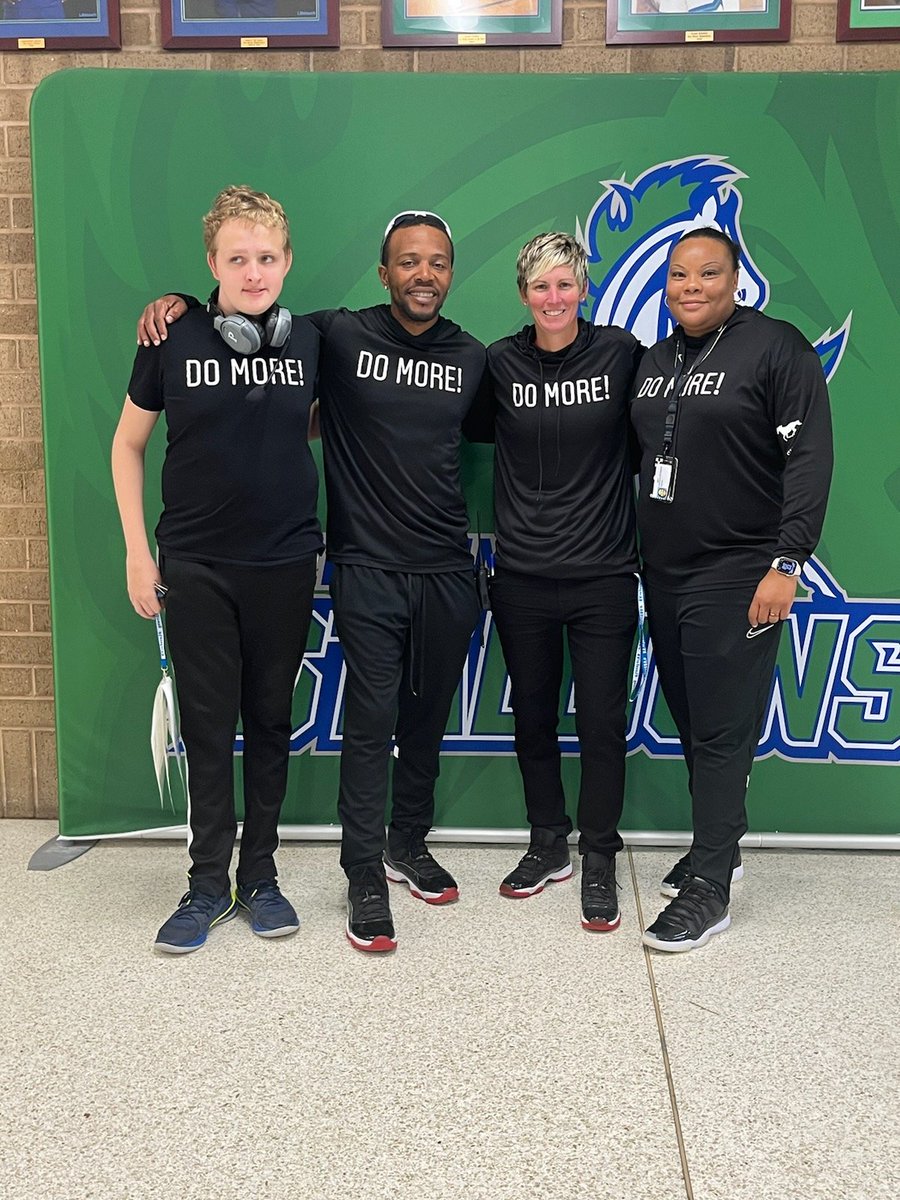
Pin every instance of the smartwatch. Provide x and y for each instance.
(787, 566)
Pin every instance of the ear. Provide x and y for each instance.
(383, 274)
(288, 260)
(211, 263)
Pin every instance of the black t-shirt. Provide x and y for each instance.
(239, 483)
(753, 444)
(391, 409)
(563, 496)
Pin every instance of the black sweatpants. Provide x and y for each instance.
(237, 636)
(716, 682)
(405, 638)
(599, 618)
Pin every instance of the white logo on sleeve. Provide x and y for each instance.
(788, 431)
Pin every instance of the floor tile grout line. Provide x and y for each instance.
(670, 1082)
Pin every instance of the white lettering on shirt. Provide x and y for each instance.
(709, 383)
(287, 371)
(422, 373)
(567, 392)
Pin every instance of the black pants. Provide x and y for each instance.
(405, 640)
(716, 682)
(599, 618)
(237, 636)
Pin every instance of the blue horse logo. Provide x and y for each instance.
(630, 233)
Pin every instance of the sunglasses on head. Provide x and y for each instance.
(414, 212)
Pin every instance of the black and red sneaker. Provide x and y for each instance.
(546, 861)
(599, 901)
(369, 923)
(415, 865)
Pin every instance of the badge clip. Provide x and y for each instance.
(665, 468)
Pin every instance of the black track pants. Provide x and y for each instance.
(599, 618)
(405, 638)
(237, 636)
(716, 682)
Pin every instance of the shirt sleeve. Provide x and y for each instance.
(802, 418)
(322, 319)
(478, 423)
(145, 388)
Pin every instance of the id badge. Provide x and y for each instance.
(664, 471)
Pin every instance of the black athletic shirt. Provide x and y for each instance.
(753, 444)
(239, 484)
(391, 409)
(563, 493)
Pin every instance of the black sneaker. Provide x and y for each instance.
(196, 914)
(369, 923)
(427, 879)
(271, 915)
(547, 861)
(690, 920)
(681, 873)
(599, 902)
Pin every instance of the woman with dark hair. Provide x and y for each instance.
(566, 562)
(731, 415)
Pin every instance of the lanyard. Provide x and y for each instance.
(642, 653)
(679, 382)
(161, 638)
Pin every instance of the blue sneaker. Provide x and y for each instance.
(271, 915)
(196, 914)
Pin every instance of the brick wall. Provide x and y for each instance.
(28, 777)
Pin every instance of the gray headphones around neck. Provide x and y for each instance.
(247, 335)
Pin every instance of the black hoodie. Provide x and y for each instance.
(563, 500)
(753, 444)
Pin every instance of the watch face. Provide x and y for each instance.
(787, 566)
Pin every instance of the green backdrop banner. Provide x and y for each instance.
(800, 168)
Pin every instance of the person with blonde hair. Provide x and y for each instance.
(566, 562)
(238, 541)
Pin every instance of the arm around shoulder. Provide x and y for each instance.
(152, 326)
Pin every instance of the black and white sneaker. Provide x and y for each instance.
(547, 861)
(681, 873)
(415, 865)
(369, 923)
(599, 902)
(690, 920)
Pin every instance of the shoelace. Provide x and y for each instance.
(197, 902)
(689, 902)
(420, 853)
(372, 904)
(603, 883)
(267, 895)
(538, 856)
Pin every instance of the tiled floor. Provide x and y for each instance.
(501, 1054)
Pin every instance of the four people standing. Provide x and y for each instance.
(739, 401)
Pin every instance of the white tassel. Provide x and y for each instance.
(165, 741)
(159, 740)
